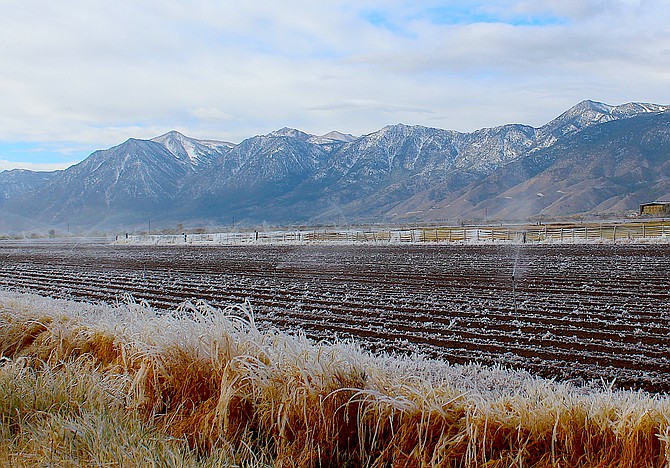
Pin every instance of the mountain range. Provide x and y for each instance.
(594, 159)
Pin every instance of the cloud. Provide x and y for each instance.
(369, 105)
(96, 73)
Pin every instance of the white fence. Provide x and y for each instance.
(541, 233)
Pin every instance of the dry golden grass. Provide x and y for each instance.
(95, 385)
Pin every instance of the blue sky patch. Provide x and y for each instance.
(455, 15)
(42, 153)
(382, 19)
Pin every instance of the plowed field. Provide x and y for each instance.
(564, 311)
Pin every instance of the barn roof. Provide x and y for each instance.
(658, 202)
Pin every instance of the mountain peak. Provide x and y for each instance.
(291, 133)
(588, 113)
(171, 135)
(629, 109)
(339, 136)
(189, 150)
(589, 105)
(132, 143)
(404, 129)
(632, 109)
(333, 137)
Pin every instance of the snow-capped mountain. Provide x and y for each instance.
(397, 172)
(128, 180)
(191, 151)
(256, 171)
(588, 113)
(609, 169)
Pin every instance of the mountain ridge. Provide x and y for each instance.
(399, 172)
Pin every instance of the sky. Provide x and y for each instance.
(77, 75)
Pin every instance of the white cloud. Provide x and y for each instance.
(96, 73)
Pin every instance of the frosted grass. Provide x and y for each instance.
(221, 383)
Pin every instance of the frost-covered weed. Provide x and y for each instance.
(214, 383)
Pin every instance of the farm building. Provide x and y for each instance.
(657, 208)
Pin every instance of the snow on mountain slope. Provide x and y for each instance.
(195, 152)
(332, 137)
(588, 113)
(18, 182)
